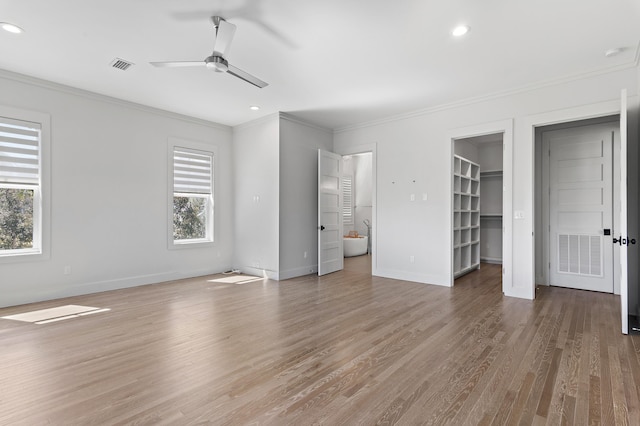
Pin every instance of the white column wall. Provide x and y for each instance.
(256, 164)
(299, 144)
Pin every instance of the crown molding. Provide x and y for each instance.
(255, 122)
(294, 119)
(62, 88)
(491, 96)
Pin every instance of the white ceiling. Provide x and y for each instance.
(335, 63)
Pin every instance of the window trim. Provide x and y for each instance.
(42, 192)
(178, 143)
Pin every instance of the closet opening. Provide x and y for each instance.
(477, 202)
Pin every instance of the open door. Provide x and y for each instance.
(623, 238)
(330, 250)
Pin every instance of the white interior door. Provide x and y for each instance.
(581, 206)
(330, 249)
(621, 230)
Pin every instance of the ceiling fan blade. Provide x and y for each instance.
(176, 64)
(224, 35)
(237, 72)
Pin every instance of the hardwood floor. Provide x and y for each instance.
(346, 348)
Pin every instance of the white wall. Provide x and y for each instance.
(417, 147)
(490, 156)
(299, 144)
(466, 149)
(109, 195)
(256, 166)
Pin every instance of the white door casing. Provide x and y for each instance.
(330, 249)
(621, 229)
(580, 206)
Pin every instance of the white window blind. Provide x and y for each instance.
(19, 152)
(347, 200)
(192, 172)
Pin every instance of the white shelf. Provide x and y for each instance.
(466, 216)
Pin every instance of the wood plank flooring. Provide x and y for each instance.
(343, 349)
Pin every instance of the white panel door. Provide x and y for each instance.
(581, 207)
(330, 249)
(621, 229)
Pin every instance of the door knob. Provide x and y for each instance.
(624, 241)
(321, 227)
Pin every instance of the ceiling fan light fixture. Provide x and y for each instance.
(460, 30)
(11, 28)
(254, 108)
(217, 63)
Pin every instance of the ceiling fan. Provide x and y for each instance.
(216, 61)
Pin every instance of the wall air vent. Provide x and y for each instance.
(121, 64)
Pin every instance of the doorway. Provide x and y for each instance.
(575, 191)
(484, 231)
(364, 201)
(357, 203)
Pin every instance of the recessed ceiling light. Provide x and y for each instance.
(460, 30)
(11, 28)
(254, 107)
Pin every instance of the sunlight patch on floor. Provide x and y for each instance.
(59, 313)
(236, 279)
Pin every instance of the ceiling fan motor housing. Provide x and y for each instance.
(217, 63)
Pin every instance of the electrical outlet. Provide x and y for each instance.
(67, 270)
(412, 197)
(412, 259)
(305, 255)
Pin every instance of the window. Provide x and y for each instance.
(192, 196)
(21, 201)
(347, 200)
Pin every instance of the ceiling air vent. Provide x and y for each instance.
(121, 64)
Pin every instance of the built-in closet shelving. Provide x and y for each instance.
(491, 216)
(466, 216)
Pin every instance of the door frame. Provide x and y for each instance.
(527, 261)
(546, 206)
(506, 128)
(362, 149)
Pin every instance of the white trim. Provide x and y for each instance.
(411, 276)
(529, 125)
(257, 121)
(46, 84)
(46, 293)
(293, 119)
(491, 96)
(623, 223)
(373, 149)
(506, 128)
(44, 224)
(172, 144)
